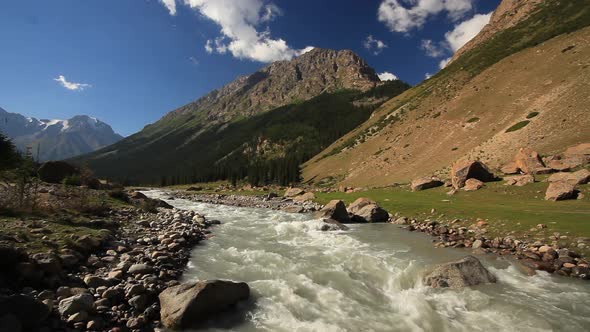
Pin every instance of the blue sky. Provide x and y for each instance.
(128, 62)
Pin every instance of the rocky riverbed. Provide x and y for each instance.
(110, 285)
(269, 201)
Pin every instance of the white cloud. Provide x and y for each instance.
(427, 75)
(405, 15)
(466, 30)
(387, 76)
(374, 45)
(239, 22)
(432, 49)
(71, 85)
(171, 5)
(444, 62)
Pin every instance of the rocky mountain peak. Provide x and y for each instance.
(285, 82)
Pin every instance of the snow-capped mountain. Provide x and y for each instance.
(57, 139)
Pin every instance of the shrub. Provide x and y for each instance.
(518, 126)
(532, 115)
(72, 180)
(474, 119)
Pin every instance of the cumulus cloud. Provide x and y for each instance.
(405, 15)
(71, 85)
(427, 75)
(374, 45)
(444, 62)
(240, 34)
(387, 76)
(171, 5)
(432, 49)
(466, 30)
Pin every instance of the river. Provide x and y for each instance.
(366, 279)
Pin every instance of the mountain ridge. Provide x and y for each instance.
(57, 139)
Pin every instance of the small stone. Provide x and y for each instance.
(81, 316)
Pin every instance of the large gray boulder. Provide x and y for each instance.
(371, 213)
(75, 304)
(336, 210)
(190, 304)
(465, 272)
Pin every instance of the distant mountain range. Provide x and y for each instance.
(57, 139)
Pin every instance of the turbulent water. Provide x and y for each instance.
(366, 279)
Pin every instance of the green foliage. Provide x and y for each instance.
(9, 156)
(388, 89)
(472, 120)
(266, 148)
(518, 126)
(532, 115)
(120, 195)
(72, 180)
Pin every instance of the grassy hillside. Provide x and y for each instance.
(478, 106)
(268, 147)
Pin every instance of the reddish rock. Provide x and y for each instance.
(530, 162)
(510, 168)
(561, 190)
(580, 177)
(425, 183)
(473, 185)
(463, 170)
(519, 180)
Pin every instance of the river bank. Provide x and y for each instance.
(532, 254)
(95, 275)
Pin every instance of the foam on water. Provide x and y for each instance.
(366, 279)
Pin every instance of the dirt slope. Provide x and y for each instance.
(426, 129)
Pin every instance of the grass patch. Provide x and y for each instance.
(472, 120)
(509, 210)
(532, 115)
(518, 126)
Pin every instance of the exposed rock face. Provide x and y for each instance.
(579, 177)
(336, 210)
(360, 203)
(367, 210)
(530, 162)
(425, 183)
(520, 180)
(188, 305)
(560, 190)
(510, 168)
(508, 14)
(282, 82)
(466, 272)
(467, 169)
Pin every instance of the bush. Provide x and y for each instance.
(518, 126)
(475, 119)
(72, 180)
(532, 115)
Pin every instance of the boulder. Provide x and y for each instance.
(75, 304)
(582, 150)
(473, 185)
(510, 168)
(293, 209)
(190, 304)
(425, 183)
(370, 213)
(560, 190)
(304, 197)
(519, 180)
(463, 170)
(332, 225)
(360, 203)
(466, 272)
(137, 195)
(56, 171)
(530, 162)
(579, 177)
(22, 311)
(292, 192)
(336, 210)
